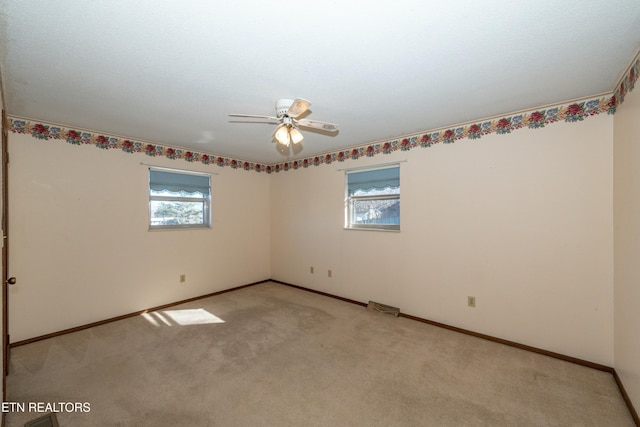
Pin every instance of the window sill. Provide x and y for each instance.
(178, 227)
(385, 230)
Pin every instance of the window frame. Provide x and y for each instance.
(206, 202)
(350, 200)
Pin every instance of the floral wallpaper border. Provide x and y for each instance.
(532, 119)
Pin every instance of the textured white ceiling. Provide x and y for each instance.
(170, 72)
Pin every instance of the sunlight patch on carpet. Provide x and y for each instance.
(194, 316)
(156, 319)
(186, 317)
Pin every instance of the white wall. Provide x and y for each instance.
(627, 244)
(523, 222)
(80, 245)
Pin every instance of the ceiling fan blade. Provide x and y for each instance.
(298, 107)
(253, 116)
(314, 124)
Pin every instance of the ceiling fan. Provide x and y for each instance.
(288, 112)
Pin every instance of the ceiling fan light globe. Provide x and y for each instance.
(282, 135)
(296, 135)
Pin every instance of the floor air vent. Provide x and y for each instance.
(48, 420)
(386, 309)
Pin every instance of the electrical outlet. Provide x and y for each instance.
(329, 273)
(311, 269)
(471, 301)
(183, 278)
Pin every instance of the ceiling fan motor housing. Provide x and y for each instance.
(282, 106)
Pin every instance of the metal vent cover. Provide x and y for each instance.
(383, 308)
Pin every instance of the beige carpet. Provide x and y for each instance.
(286, 357)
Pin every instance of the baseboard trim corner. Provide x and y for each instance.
(627, 399)
(319, 292)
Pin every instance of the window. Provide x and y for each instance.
(373, 198)
(179, 200)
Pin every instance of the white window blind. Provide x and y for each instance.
(177, 182)
(376, 179)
